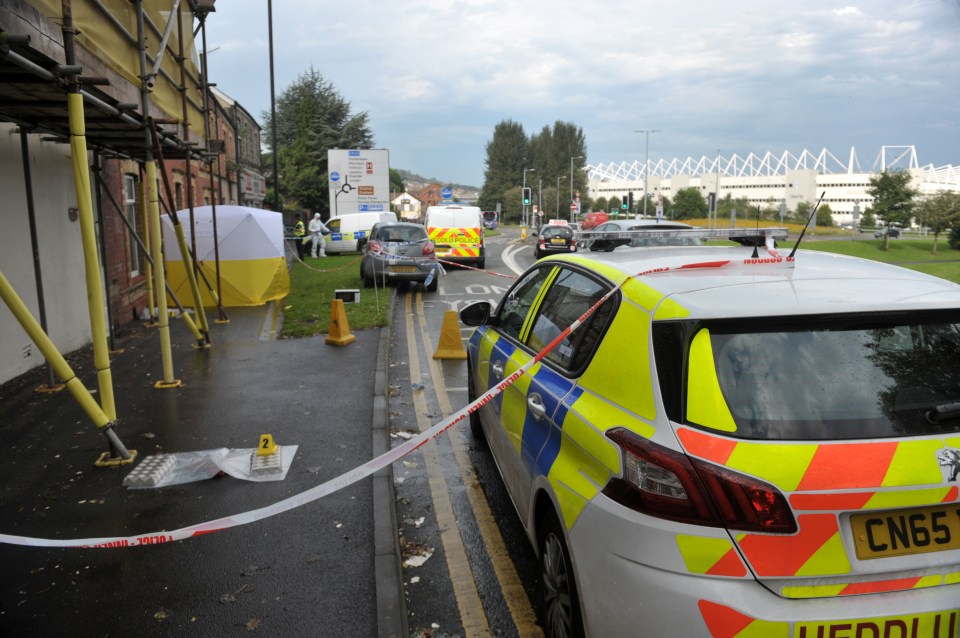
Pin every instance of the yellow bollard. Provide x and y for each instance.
(523, 233)
(451, 345)
(339, 328)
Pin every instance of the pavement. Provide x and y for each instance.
(328, 568)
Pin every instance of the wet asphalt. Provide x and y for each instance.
(328, 568)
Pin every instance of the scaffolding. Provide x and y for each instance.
(114, 79)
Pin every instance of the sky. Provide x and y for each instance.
(740, 76)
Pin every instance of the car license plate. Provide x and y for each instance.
(558, 241)
(908, 531)
(938, 624)
(403, 269)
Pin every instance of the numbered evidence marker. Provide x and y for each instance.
(267, 458)
(267, 445)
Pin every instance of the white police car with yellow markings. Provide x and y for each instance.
(736, 442)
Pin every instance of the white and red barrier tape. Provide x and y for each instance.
(367, 469)
(489, 272)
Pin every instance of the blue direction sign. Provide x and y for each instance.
(447, 193)
(334, 176)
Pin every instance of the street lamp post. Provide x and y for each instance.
(558, 194)
(646, 166)
(524, 214)
(575, 157)
(536, 221)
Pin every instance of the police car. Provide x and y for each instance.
(730, 441)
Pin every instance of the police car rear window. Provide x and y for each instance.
(874, 377)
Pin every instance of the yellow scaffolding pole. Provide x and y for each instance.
(186, 256)
(53, 356)
(148, 265)
(118, 451)
(160, 284)
(81, 178)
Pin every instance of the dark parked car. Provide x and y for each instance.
(555, 238)
(399, 252)
(892, 230)
(615, 230)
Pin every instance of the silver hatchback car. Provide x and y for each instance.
(399, 252)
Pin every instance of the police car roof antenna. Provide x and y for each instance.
(756, 252)
(809, 219)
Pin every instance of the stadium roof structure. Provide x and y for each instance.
(770, 165)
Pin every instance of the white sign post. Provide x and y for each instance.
(359, 181)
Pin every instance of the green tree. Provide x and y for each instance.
(824, 215)
(802, 212)
(511, 211)
(893, 199)
(312, 117)
(940, 212)
(599, 203)
(396, 183)
(689, 203)
(508, 154)
(868, 220)
(727, 204)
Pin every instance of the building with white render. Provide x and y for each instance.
(771, 180)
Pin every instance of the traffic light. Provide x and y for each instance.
(630, 200)
(526, 196)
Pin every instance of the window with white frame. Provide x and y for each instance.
(134, 254)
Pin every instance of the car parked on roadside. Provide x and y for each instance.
(555, 237)
(729, 444)
(399, 252)
(893, 231)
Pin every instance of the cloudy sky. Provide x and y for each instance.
(739, 76)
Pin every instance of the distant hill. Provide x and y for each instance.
(415, 182)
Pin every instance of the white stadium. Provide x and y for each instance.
(772, 181)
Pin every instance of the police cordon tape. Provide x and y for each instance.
(489, 272)
(352, 476)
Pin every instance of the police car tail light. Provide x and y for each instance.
(428, 248)
(664, 483)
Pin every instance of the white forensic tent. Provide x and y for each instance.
(253, 266)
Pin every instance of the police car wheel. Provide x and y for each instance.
(476, 429)
(558, 589)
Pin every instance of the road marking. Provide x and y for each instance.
(513, 592)
(508, 258)
(472, 615)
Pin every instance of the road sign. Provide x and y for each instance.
(359, 180)
(447, 193)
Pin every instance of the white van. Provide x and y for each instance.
(346, 230)
(457, 233)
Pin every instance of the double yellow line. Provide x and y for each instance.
(472, 614)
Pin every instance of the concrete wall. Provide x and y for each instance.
(61, 252)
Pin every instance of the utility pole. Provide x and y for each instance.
(558, 194)
(646, 165)
(575, 157)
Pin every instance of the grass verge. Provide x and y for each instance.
(306, 310)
